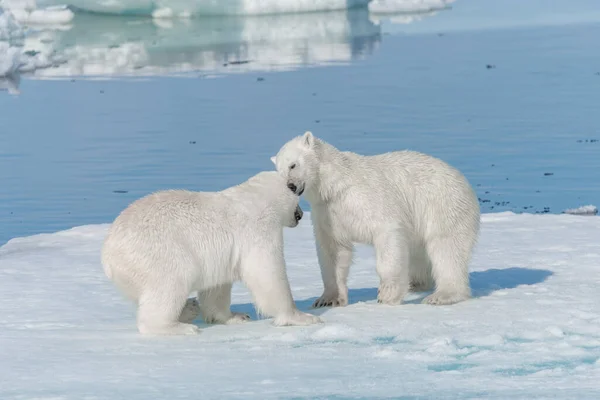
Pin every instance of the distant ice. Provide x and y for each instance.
(28, 12)
(407, 6)
(9, 27)
(256, 36)
(108, 47)
(583, 210)
(10, 59)
(532, 329)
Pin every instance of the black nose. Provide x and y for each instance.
(292, 187)
(298, 214)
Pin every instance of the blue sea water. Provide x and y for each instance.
(506, 92)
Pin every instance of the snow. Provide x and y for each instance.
(583, 210)
(531, 331)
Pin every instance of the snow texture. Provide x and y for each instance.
(531, 331)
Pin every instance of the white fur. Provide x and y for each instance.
(168, 244)
(420, 214)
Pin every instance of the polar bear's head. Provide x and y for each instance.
(269, 190)
(298, 163)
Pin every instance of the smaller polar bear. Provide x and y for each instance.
(420, 214)
(168, 244)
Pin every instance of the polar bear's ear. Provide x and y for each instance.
(274, 160)
(308, 139)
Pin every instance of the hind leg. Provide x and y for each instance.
(449, 257)
(191, 311)
(215, 306)
(421, 279)
(159, 311)
(392, 254)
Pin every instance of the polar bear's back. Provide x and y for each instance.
(167, 228)
(417, 186)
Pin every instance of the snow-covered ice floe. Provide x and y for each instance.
(532, 329)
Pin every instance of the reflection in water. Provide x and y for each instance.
(103, 46)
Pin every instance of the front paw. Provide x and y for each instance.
(391, 293)
(297, 318)
(237, 318)
(444, 298)
(331, 300)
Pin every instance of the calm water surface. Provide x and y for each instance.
(514, 106)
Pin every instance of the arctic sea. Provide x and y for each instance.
(507, 92)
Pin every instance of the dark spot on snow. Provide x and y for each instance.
(260, 79)
(239, 62)
(440, 34)
(493, 165)
(113, 46)
(102, 91)
(317, 120)
(314, 94)
(487, 192)
(192, 142)
(548, 173)
(490, 66)
(120, 191)
(31, 53)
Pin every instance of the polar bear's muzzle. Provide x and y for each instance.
(298, 214)
(297, 190)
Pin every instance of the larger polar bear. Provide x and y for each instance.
(420, 214)
(168, 244)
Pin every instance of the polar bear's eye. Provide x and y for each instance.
(292, 166)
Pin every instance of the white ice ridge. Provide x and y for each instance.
(531, 331)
